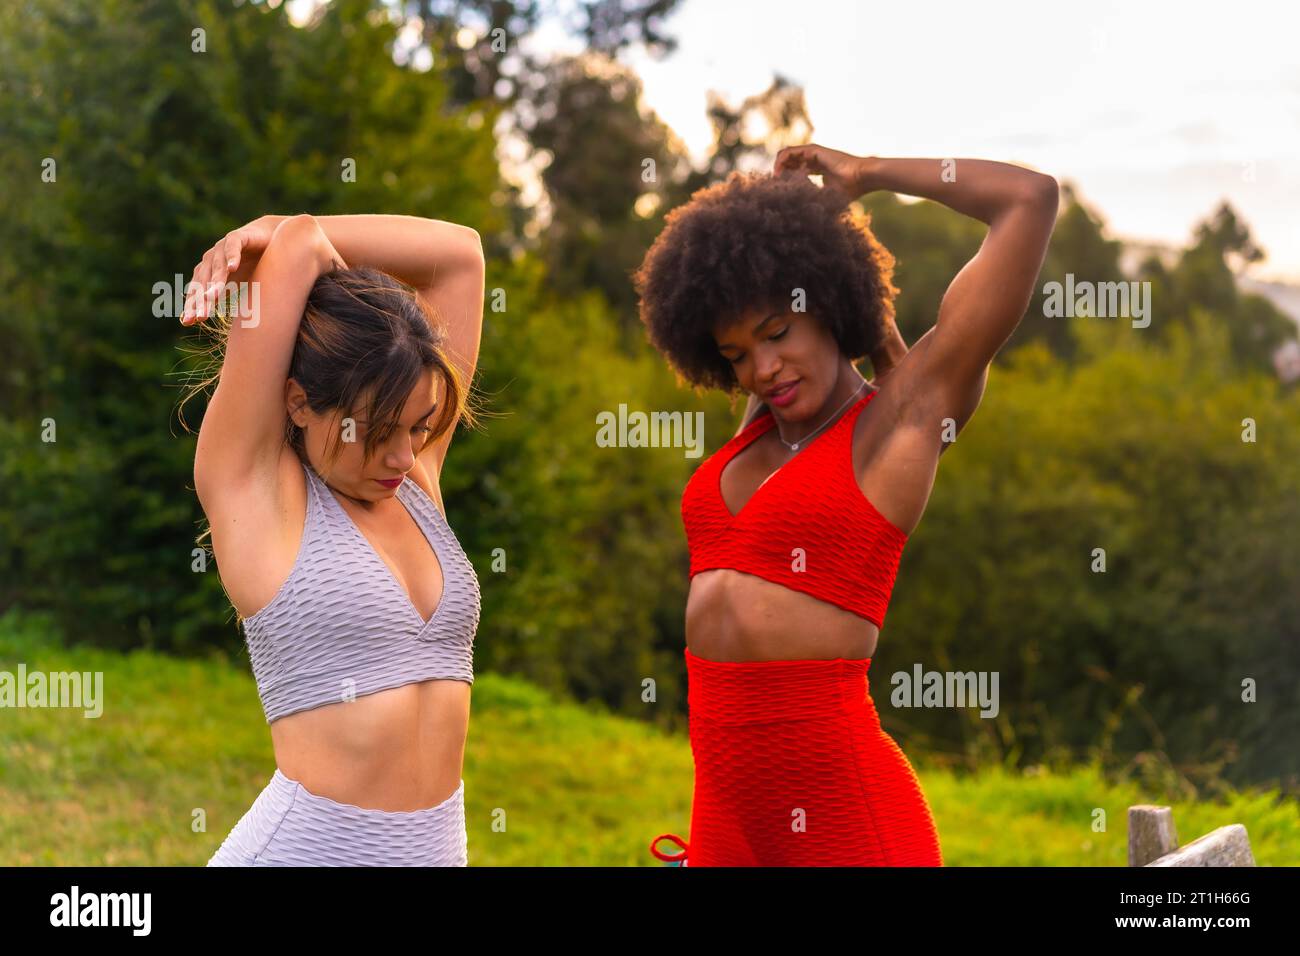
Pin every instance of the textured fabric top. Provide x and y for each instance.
(808, 527)
(341, 625)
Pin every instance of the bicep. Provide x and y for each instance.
(243, 427)
(934, 390)
(986, 301)
(926, 419)
(455, 299)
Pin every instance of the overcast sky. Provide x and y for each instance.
(1155, 110)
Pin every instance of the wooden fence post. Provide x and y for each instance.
(1153, 841)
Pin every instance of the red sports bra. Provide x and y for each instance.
(808, 527)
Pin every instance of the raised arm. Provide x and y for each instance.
(443, 262)
(987, 299)
(423, 253)
(943, 374)
(243, 428)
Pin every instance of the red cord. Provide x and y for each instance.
(676, 857)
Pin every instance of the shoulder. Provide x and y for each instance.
(751, 433)
(761, 419)
(258, 527)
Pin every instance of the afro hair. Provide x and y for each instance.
(751, 241)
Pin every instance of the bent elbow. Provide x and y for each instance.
(1046, 191)
(296, 228)
(474, 243)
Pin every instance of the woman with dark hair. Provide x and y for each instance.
(317, 466)
(771, 286)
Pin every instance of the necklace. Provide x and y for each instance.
(795, 446)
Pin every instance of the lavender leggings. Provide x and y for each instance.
(287, 825)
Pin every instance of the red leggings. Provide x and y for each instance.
(792, 768)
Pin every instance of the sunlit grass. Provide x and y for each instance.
(578, 786)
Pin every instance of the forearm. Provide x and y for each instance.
(419, 251)
(979, 188)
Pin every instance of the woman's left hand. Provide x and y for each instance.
(839, 171)
(231, 259)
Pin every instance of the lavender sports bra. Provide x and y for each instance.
(341, 625)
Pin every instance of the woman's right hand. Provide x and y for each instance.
(231, 259)
(841, 172)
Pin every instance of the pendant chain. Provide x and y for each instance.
(806, 438)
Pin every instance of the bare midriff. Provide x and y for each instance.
(396, 749)
(732, 616)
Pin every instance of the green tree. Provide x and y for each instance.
(1204, 278)
(1137, 450)
(206, 130)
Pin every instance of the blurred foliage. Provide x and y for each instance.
(610, 173)
(594, 589)
(1136, 449)
(478, 44)
(1092, 434)
(613, 170)
(154, 163)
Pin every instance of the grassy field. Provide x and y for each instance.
(580, 787)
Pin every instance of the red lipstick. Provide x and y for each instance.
(785, 395)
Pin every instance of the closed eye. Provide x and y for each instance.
(771, 338)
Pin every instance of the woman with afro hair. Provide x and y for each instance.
(773, 286)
